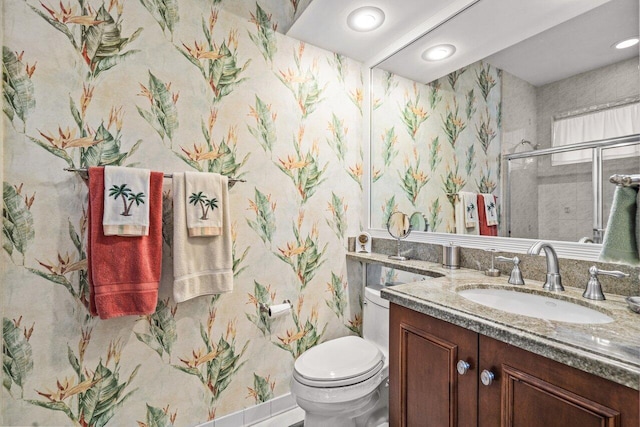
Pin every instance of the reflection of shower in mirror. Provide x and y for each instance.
(525, 142)
(521, 147)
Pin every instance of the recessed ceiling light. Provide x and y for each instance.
(365, 18)
(623, 44)
(438, 52)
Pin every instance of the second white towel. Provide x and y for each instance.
(204, 203)
(201, 265)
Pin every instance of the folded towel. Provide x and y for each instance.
(485, 228)
(470, 201)
(203, 199)
(620, 241)
(463, 208)
(124, 272)
(126, 201)
(490, 208)
(201, 266)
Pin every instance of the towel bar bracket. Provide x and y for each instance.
(625, 180)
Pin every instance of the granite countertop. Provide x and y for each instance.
(610, 350)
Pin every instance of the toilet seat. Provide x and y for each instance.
(338, 363)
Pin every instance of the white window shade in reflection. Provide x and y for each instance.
(604, 124)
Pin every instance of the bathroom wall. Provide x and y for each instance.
(193, 88)
(432, 141)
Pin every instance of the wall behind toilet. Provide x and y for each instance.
(281, 111)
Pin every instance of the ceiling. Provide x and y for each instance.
(499, 29)
(324, 24)
(581, 44)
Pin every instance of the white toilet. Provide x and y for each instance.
(343, 382)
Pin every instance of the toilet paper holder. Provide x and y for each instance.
(277, 309)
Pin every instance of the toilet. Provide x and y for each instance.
(343, 382)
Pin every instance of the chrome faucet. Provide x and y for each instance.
(554, 281)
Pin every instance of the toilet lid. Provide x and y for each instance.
(338, 362)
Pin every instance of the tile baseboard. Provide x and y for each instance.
(254, 414)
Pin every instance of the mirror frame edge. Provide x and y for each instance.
(571, 250)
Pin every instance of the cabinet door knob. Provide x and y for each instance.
(487, 377)
(462, 367)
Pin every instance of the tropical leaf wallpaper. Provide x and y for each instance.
(173, 85)
(432, 141)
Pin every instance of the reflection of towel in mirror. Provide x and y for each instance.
(466, 213)
(483, 215)
(470, 208)
(620, 241)
(490, 208)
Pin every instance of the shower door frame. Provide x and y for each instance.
(596, 175)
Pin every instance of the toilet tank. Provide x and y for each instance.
(375, 318)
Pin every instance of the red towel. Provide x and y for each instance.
(124, 272)
(485, 230)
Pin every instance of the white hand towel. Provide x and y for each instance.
(462, 214)
(490, 209)
(471, 208)
(200, 266)
(203, 201)
(126, 201)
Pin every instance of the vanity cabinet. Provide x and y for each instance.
(527, 390)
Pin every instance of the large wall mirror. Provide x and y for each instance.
(482, 121)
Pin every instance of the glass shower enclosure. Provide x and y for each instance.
(551, 199)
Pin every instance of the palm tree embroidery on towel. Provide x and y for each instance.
(491, 208)
(126, 194)
(470, 209)
(201, 199)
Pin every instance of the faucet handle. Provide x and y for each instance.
(515, 278)
(594, 288)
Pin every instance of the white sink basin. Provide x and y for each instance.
(534, 305)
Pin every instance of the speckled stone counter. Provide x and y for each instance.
(610, 350)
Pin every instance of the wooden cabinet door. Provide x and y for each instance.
(532, 391)
(425, 387)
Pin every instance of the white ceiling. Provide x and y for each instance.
(324, 24)
(478, 31)
(581, 44)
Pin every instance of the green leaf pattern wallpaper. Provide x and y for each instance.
(172, 85)
(432, 141)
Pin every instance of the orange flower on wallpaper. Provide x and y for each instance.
(290, 163)
(66, 139)
(291, 337)
(198, 153)
(66, 264)
(66, 15)
(199, 357)
(292, 250)
(67, 388)
(200, 51)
